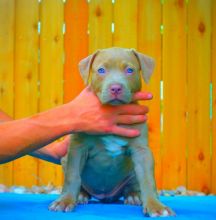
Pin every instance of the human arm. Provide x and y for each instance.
(4, 117)
(20, 137)
(53, 152)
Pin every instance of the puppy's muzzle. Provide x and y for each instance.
(116, 94)
(116, 89)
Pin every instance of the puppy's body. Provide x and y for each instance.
(109, 166)
(106, 163)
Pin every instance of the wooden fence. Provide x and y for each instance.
(41, 43)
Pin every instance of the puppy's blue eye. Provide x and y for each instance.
(101, 71)
(129, 70)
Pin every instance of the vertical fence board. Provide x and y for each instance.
(125, 20)
(6, 73)
(75, 45)
(174, 100)
(51, 72)
(213, 79)
(149, 42)
(199, 24)
(100, 21)
(26, 79)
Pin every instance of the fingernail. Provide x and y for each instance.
(136, 132)
(149, 95)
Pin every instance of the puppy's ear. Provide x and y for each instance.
(85, 66)
(147, 65)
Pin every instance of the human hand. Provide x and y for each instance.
(54, 151)
(94, 118)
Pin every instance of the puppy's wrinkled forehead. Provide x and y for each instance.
(115, 58)
(120, 58)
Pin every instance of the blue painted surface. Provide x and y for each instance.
(31, 206)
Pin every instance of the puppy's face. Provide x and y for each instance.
(114, 74)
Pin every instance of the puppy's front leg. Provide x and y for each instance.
(144, 169)
(73, 167)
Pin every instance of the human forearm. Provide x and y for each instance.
(20, 137)
(4, 117)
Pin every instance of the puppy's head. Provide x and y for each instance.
(114, 73)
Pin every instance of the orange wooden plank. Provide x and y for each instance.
(199, 63)
(174, 102)
(100, 23)
(51, 73)
(7, 14)
(125, 20)
(149, 42)
(75, 45)
(213, 80)
(26, 79)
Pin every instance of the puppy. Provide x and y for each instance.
(108, 166)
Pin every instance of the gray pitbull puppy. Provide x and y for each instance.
(108, 166)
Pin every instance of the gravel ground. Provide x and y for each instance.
(51, 189)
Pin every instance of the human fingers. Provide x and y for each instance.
(131, 119)
(142, 96)
(125, 132)
(61, 147)
(132, 109)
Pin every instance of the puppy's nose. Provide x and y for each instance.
(116, 89)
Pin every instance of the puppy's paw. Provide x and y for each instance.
(83, 198)
(64, 203)
(133, 198)
(155, 208)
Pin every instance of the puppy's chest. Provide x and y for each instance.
(113, 145)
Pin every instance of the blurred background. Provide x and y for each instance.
(42, 41)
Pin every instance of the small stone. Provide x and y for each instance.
(3, 188)
(35, 189)
(172, 192)
(56, 191)
(166, 194)
(190, 193)
(181, 190)
(18, 189)
(162, 192)
(200, 194)
(211, 194)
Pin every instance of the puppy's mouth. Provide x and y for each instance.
(116, 101)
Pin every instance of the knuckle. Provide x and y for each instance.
(128, 119)
(108, 130)
(146, 109)
(139, 118)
